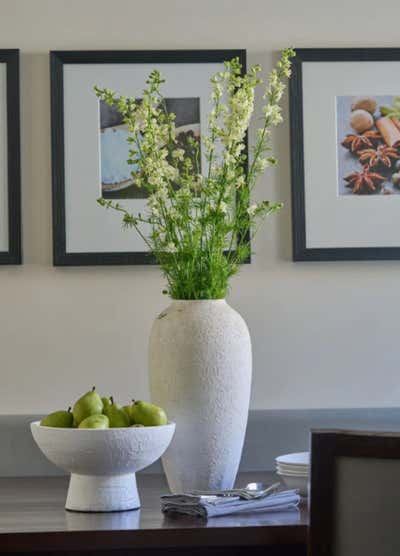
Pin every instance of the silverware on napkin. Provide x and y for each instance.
(252, 491)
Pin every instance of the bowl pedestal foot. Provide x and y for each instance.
(99, 493)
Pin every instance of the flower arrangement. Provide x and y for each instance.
(198, 225)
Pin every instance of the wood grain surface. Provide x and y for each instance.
(33, 519)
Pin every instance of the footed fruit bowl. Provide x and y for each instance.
(102, 462)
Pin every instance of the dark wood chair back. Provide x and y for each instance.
(355, 494)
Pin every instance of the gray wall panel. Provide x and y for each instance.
(269, 434)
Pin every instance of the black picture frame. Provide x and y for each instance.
(13, 255)
(300, 250)
(57, 60)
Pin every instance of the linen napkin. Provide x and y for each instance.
(212, 506)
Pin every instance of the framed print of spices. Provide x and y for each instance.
(10, 181)
(90, 148)
(345, 154)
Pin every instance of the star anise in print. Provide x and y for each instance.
(355, 142)
(364, 182)
(382, 155)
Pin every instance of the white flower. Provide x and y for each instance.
(273, 113)
(228, 158)
(161, 193)
(261, 164)
(252, 209)
(154, 206)
(223, 207)
(238, 149)
(171, 248)
(173, 213)
(217, 91)
(184, 193)
(240, 182)
(178, 154)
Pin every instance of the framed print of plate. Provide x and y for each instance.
(10, 179)
(90, 148)
(345, 154)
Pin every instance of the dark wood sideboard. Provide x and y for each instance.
(33, 520)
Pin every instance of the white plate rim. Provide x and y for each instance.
(292, 475)
(288, 474)
(297, 458)
(294, 468)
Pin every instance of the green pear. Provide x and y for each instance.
(98, 421)
(106, 404)
(127, 410)
(147, 414)
(62, 419)
(136, 425)
(89, 404)
(116, 415)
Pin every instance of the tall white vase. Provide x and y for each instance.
(200, 372)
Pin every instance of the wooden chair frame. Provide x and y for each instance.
(326, 448)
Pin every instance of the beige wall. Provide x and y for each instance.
(325, 335)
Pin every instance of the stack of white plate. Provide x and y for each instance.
(294, 470)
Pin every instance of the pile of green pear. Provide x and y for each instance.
(94, 412)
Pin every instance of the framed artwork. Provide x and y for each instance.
(10, 173)
(90, 148)
(345, 154)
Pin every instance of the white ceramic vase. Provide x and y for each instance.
(200, 372)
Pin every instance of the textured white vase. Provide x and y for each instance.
(200, 372)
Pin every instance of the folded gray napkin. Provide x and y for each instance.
(211, 506)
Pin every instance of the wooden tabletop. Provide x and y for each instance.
(33, 519)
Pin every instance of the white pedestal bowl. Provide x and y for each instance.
(102, 462)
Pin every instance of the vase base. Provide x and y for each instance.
(186, 482)
(92, 493)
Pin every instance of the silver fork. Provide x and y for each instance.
(252, 491)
